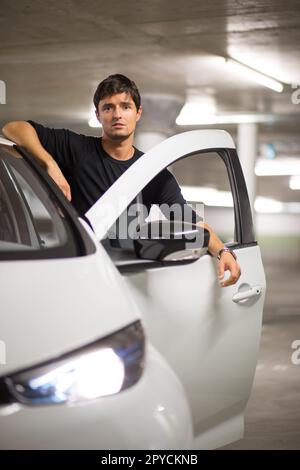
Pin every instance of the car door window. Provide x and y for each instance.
(205, 185)
(8, 222)
(45, 218)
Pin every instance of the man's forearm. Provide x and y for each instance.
(23, 134)
(215, 244)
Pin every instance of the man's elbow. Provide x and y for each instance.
(9, 128)
(12, 129)
(5, 128)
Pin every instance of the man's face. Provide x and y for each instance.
(118, 116)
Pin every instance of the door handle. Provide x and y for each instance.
(254, 291)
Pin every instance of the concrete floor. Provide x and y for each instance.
(272, 418)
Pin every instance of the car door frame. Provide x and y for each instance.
(232, 330)
(196, 142)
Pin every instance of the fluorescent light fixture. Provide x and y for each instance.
(278, 167)
(201, 109)
(197, 107)
(93, 121)
(254, 75)
(206, 120)
(215, 198)
(266, 205)
(292, 207)
(294, 182)
(209, 196)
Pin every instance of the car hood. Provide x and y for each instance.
(50, 307)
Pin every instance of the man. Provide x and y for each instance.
(85, 167)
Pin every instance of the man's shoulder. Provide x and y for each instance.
(58, 129)
(62, 133)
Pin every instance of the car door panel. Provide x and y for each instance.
(210, 341)
(208, 334)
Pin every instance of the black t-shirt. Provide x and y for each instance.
(90, 171)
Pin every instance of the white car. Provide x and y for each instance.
(108, 347)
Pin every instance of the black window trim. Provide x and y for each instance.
(244, 234)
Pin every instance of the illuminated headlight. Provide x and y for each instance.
(102, 368)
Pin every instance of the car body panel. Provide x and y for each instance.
(53, 306)
(79, 301)
(153, 414)
(210, 341)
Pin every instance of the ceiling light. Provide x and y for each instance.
(200, 118)
(254, 75)
(294, 182)
(195, 107)
(292, 207)
(266, 205)
(93, 121)
(278, 167)
(208, 196)
(214, 197)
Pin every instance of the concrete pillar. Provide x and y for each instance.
(158, 119)
(247, 151)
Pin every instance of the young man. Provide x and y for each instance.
(85, 167)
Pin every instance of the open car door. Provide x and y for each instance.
(208, 334)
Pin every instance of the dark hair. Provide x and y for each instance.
(117, 84)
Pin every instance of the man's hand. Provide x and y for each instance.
(54, 171)
(227, 262)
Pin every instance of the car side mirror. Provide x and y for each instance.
(166, 240)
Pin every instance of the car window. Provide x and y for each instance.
(8, 222)
(47, 222)
(32, 224)
(205, 185)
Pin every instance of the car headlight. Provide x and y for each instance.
(104, 367)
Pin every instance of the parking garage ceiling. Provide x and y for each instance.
(53, 54)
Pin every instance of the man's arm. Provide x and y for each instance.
(23, 134)
(226, 262)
